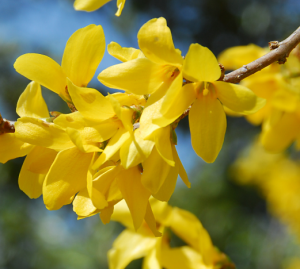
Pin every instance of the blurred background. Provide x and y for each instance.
(235, 215)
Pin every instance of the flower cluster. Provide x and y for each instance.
(279, 85)
(198, 252)
(121, 147)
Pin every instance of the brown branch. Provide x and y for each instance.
(279, 52)
(6, 126)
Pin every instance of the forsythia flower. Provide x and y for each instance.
(280, 87)
(32, 106)
(156, 72)
(92, 5)
(160, 73)
(130, 245)
(207, 117)
(83, 53)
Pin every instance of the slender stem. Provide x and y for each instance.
(279, 52)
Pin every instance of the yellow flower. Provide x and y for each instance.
(160, 73)
(159, 66)
(70, 144)
(92, 5)
(280, 87)
(83, 53)
(31, 105)
(54, 166)
(157, 71)
(264, 83)
(77, 140)
(12, 148)
(207, 117)
(107, 187)
(198, 253)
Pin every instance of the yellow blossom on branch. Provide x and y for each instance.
(160, 73)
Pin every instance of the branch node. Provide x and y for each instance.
(6, 126)
(273, 45)
(222, 72)
(279, 53)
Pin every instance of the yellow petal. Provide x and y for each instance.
(90, 5)
(200, 64)
(96, 196)
(31, 183)
(90, 103)
(265, 85)
(128, 247)
(155, 41)
(181, 99)
(238, 98)
(43, 70)
(150, 220)
(126, 99)
(278, 137)
(122, 214)
(103, 181)
(106, 213)
(42, 133)
(123, 113)
(39, 160)
(34, 170)
(82, 204)
(236, 57)
(135, 150)
(155, 171)
(72, 120)
(163, 144)
(83, 53)
(151, 111)
(258, 117)
(181, 170)
(112, 147)
(31, 102)
(208, 125)
(80, 141)
(134, 193)
(162, 211)
(120, 5)
(122, 54)
(151, 261)
(139, 76)
(167, 188)
(101, 132)
(183, 257)
(11, 147)
(66, 177)
(174, 92)
(286, 99)
(186, 226)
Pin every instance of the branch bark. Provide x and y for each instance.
(279, 52)
(6, 126)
